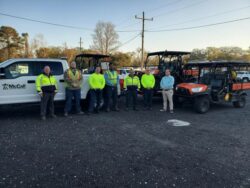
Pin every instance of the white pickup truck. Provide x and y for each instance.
(17, 80)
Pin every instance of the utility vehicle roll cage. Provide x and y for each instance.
(88, 61)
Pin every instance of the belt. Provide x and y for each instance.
(167, 89)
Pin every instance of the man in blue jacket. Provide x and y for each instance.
(167, 86)
(112, 82)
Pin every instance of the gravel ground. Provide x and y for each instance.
(126, 149)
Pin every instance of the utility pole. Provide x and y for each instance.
(142, 35)
(80, 44)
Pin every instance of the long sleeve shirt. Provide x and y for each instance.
(148, 81)
(96, 81)
(167, 82)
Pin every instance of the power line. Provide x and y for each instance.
(130, 40)
(200, 26)
(163, 6)
(60, 25)
(176, 10)
(149, 10)
(44, 22)
(205, 17)
(131, 25)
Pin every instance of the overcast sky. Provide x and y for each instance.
(167, 14)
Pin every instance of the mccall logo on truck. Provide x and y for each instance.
(13, 86)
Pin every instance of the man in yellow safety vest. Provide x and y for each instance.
(73, 83)
(148, 83)
(46, 86)
(131, 86)
(96, 83)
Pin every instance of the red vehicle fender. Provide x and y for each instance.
(190, 86)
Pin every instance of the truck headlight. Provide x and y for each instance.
(196, 89)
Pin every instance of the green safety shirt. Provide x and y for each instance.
(148, 81)
(96, 81)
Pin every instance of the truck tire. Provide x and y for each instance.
(202, 104)
(241, 102)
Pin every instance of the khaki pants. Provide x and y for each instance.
(167, 97)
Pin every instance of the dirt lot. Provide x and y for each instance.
(126, 149)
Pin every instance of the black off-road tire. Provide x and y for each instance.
(241, 102)
(202, 104)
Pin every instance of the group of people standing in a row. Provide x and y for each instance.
(101, 86)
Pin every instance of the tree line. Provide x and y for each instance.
(105, 41)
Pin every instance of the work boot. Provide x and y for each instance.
(66, 114)
(80, 113)
(107, 110)
(171, 111)
(53, 116)
(115, 109)
(43, 118)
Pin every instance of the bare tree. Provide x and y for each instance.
(105, 38)
(37, 42)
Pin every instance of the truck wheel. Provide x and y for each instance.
(241, 102)
(202, 104)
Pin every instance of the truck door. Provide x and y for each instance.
(17, 86)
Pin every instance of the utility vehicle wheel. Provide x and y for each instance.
(202, 104)
(177, 102)
(241, 102)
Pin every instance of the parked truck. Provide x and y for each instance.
(17, 77)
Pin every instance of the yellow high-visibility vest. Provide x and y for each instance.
(132, 81)
(112, 77)
(43, 81)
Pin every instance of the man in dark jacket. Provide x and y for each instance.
(46, 86)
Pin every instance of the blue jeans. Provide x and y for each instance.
(131, 94)
(70, 94)
(148, 95)
(95, 97)
(111, 96)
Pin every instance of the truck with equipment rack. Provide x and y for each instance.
(17, 77)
